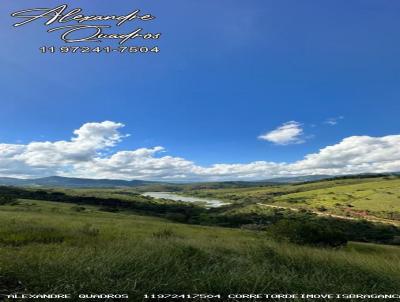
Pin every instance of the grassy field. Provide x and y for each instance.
(48, 247)
(361, 198)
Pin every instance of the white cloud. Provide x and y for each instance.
(288, 133)
(88, 139)
(83, 156)
(355, 154)
(53, 157)
(332, 121)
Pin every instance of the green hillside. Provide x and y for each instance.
(378, 197)
(374, 198)
(51, 247)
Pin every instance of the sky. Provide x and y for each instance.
(240, 90)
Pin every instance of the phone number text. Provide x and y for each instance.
(107, 49)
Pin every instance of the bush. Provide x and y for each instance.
(308, 233)
(109, 209)
(164, 233)
(253, 227)
(179, 217)
(7, 200)
(78, 209)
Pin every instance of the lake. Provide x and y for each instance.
(209, 203)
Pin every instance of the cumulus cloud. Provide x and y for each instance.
(84, 156)
(53, 157)
(286, 134)
(355, 154)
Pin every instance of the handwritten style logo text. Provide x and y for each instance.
(74, 26)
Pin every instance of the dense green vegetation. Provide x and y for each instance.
(243, 215)
(270, 239)
(360, 197)
(58, 247)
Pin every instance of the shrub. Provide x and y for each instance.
(179, 217)
(253, 227)
(78, 209)
(7, 200)
(308, 233)
(164, 233)
(109, 209)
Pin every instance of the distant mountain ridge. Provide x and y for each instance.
(297, 179)
(70, 182)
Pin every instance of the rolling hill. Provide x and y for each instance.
(50, 247)
(372, 196)
(69, 182)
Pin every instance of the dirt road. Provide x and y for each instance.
(369, 218)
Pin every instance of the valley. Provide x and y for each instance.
(263, 237)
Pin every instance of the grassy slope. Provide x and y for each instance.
(354, 197)
(375, 196)
(49, 247)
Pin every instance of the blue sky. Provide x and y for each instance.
(228, 72)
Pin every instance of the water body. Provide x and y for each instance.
(209, 203)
